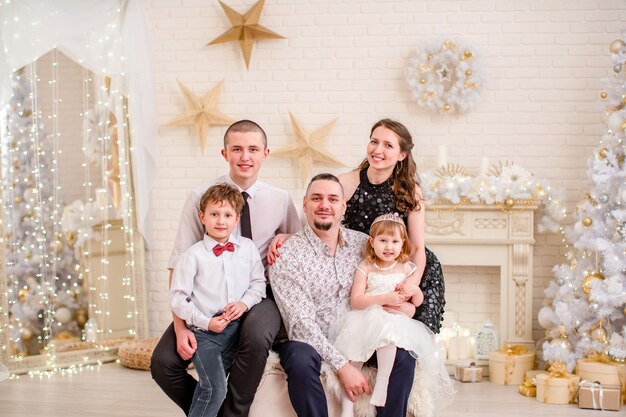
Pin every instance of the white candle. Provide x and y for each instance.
(442, 155)
(484, 165)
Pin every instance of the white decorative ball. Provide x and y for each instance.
(545, 317)
(63, 315)
(614, 121)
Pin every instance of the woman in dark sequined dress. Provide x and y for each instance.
(386, 182)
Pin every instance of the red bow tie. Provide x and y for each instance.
(219, 249)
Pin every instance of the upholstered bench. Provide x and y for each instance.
(272, 398)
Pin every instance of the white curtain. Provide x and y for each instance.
(109, 37)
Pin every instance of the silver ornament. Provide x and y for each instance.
(617, 68)
(594, 307)
(560, 282)
(604, 198)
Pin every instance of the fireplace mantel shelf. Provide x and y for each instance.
(488, 235)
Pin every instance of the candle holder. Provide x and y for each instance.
(486, 340)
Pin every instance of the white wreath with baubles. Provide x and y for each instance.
(445, 76)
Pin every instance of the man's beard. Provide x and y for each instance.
(322, 226)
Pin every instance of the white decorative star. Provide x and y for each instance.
(444, 73)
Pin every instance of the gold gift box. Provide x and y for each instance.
(599, 396)
(528, 391)
(556, 390)
(471, 373)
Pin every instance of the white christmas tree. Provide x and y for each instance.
(46, 298)
(586, 302)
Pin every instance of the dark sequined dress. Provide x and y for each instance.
(372, 200)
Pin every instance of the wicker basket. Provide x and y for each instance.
(136, 354)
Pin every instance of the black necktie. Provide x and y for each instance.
(246, 228)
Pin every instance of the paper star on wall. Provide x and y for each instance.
(201, 112)
(308, 148)
(246, 29)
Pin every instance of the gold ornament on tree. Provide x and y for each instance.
(308, 148)
(201, 112)
(602, 153)
(595, 275)
(246, 29)
(616, 46)
(587, 221)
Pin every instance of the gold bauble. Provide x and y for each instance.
(561, 342)
(56, 247)
(587, 221)
(623, 126)
(509, 202)
(26, 334)
(18, 199)
(81, 317)
(22, 294)
(602, 153)
(468, 72)
(603, 95)
(28, 255)
(422, 80)
(446, 107)
(70, 237)
(599, 334)
(467, 54)
(589, 278)
(616, 46)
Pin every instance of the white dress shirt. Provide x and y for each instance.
(202, 283)
(271, 212)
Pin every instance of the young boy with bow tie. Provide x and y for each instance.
(214, 282)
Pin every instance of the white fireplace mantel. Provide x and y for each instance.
(486, 235)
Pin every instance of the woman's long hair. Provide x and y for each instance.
(404, 177)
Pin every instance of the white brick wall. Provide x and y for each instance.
(345, 60)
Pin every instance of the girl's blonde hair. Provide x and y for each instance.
(387, 227)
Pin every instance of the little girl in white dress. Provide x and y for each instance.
(376, 325)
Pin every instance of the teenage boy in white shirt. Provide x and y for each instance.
(271, 212)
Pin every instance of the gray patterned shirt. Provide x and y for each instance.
(311, 286)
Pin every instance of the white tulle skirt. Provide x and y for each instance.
(358, 333)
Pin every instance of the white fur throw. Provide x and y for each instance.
(420, 399)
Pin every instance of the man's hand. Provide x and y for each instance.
(234, 310)
(217, 324)
(185, 343)
(353, 381)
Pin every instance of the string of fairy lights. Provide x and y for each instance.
(105, 207)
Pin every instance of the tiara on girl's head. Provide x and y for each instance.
(389, 217)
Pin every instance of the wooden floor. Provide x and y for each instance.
(110, 390)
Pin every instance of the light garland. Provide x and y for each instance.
(445, 76)
(508, 186)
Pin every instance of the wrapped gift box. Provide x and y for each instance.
(599, 396)
(510, 367)
(528, 391)
(555, 389)
(529, 387)
(468, 373)
(606, 373)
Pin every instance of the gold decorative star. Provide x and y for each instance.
(201, 112)
(246, 29)
(308, 148)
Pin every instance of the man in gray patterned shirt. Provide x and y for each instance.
(311, 281)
